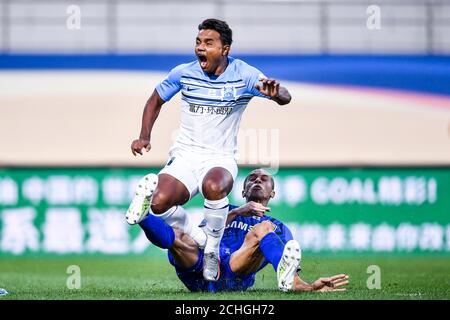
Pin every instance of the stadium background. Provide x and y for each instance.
(361, 155)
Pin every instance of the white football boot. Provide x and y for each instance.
(211, 266)
(289, 265)
(138, 209)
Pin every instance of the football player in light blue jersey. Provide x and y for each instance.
(251, 241)
(215, 90)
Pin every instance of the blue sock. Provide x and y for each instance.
(272, 248)
(158, 231)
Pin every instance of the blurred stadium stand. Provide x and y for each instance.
(283, 26)
(360, 96)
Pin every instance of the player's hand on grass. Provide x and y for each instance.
(139, 144)
(270, 87)
(253, 208)
(330, 284)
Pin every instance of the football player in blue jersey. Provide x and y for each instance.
(215, 90)
(251, 240)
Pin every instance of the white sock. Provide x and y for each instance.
(178, 217)
(216, 212)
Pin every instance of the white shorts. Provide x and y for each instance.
(191, 168)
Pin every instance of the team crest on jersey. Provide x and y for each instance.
(229, 93)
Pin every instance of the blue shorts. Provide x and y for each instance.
(229, 281)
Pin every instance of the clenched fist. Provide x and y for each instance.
(139, 144)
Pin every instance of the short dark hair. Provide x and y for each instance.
(226, 35)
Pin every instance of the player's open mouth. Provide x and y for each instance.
(203, 61)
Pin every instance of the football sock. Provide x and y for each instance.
(216, 212)
(177, 217)
(272, 248)
(157, 231)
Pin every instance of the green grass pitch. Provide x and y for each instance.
(402, 277)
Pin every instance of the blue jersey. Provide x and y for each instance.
(236, 230)
(232, 240)
(211, 106)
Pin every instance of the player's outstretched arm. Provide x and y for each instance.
(273, 89)
(151, 112)
(327, 284)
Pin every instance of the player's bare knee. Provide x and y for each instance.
(183, 244)
(214, 190)
(217, 184)
(160, 203)
(261, 229)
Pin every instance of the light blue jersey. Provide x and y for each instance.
(212, 106)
